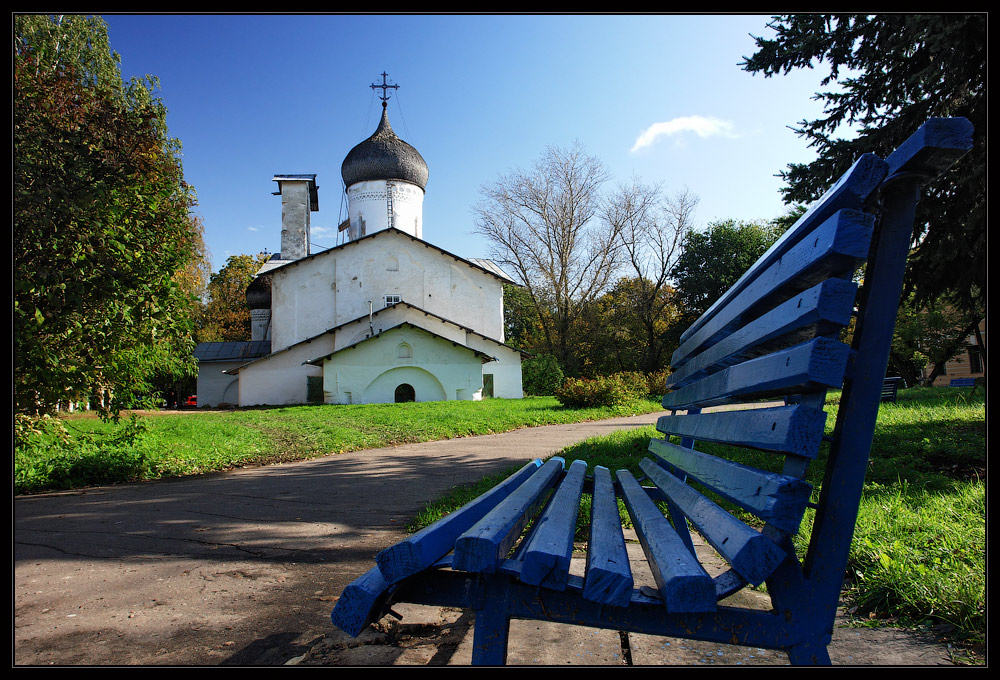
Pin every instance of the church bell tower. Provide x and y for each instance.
(385, 180)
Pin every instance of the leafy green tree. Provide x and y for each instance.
(541, 375)
(630, 327)
(226, 317)
(522, 327)
(895, 71)
(714, 259)
(101, 227)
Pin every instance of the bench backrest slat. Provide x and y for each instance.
(833, 249)
(851, 192)
(809, 366)
(752, 554)
(608, 576)
(821, 310)
(796, 428)
(683, 583)
(778, 499)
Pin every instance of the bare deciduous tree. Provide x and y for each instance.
(546, 224)
(652, 229)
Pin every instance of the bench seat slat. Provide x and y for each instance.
(550, 545)
(753, 555)
(483, 546)
(796, 429)
(821, 310)
(608, 577)
(832, 250)
(776, 498)
(683, 583)
(361, 602)
(817, 364)
(419, 551)
(850, 192)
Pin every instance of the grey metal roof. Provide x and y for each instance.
(491, 266)
(384, 156)
(404, 303)
(232, 351)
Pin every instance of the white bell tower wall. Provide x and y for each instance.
(375, 205)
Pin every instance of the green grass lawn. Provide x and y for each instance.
(178, 444)
(919, 553)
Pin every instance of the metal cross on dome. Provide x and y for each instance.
(384, 86)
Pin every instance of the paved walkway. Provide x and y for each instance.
(244, 567)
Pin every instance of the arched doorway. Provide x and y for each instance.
(404, 393)
(382, 390)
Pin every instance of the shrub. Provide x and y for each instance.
(610, 390)
(541, 375)
(656, 382)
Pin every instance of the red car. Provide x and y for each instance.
(191, 401)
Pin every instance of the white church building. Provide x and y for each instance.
(383, 317)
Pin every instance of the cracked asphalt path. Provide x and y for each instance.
(236, 568)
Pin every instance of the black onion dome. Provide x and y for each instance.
(384, 156)
(259, 293)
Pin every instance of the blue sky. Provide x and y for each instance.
(657, 97)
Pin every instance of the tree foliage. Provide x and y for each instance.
(714, 259)
(895, 71)
(632, 327)
(541, 375)
(102, 229)
(226, 317)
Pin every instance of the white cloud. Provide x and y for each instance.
(700, 125)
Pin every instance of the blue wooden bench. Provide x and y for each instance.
(962, 382)
(774, 335)
(890, 389)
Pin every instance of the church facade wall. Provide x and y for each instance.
(330, 289)
(434, 367)
(506, 370)
(216, 388)
(281, 378)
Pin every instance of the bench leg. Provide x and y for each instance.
(809, 654)
(489, 640)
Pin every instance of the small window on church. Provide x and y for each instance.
(392, 299)
(404, 351)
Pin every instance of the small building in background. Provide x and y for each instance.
(969, 363)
